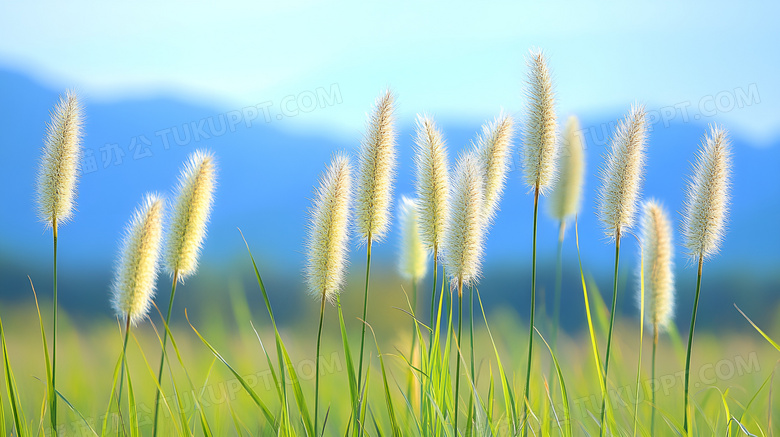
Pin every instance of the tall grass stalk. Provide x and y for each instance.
(162, 353)
(187, 232)
(704, 221)
(526, 396)
(609, 333)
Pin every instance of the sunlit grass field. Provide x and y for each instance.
(731, 373)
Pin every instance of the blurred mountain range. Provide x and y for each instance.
(267, 174)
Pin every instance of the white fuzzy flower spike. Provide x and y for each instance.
(58, 173)
(377, 169)
(540, 135)
(412, 263)
(494, 151)
(194, 199)
(707, 195)
(432, 182)
(566, 197)
(464, 237)
(328, 232)
(138, 264)
(622, 174)
(657, 264)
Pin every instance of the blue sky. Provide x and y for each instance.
(457, 61)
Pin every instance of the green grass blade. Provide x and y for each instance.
(353, 391)
(509, 400)
(300, 400)
(564, 393)
(388, 398)
(259, 402)
(763, 334)
(591, 331)
(10, 384)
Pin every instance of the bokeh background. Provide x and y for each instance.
(274, 89)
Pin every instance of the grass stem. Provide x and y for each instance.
(686, 416)
(317, 366)
(162, 355)
(362, 392)
(457, 355)
(533, 311)
(53, 394)
(652, 378)
(609, 335)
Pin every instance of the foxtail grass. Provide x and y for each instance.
(432, 184)
(194, 197)
(565, 203)
(704, 221)
(621, 179)
(326, 246)
(56, 194)
(376, 167)
(539, 170)
(464, 241)
(656, 271)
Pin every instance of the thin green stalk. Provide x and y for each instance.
(123, 361)
(457, 353)
(433, 294)
(556, 309)
(162, 355)
(53, 393)
(690, 343)
(526, 400)
(363, 323)
(472, 407)
(412, 353)
(558, 287)
(609, 337)
(652, 378)
(317, 366)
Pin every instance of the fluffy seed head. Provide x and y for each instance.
(194, 198)
(413, 260)
(377, 170)
(433, 182)
(136, 271)
(58, 172)
(621, 175)
(657, 264)
(464, 237)
(540, 142)
(494, 150)
(566, 197)
(707, 195)
(328, 233)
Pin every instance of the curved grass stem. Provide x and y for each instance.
(53, 392)
(686, 416)
(609, 335)
(533, 311)
(162, 354)
(317, 366)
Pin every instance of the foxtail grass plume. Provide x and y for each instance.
(540, 142)
(413, 260)
(657, 264)
(621, 176)
(194, 199)
(58, 173)
(433, 182)
(494, 151)
(377, 163)
(328, 233)
(566, 197)
(464, 237)
(137, 268)
(707, 195)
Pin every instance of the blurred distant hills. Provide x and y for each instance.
(267, 174)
